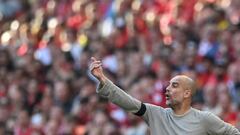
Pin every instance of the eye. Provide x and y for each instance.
(174, 85)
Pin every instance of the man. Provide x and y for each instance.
(179, 119)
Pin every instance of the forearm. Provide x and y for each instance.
(118, 96)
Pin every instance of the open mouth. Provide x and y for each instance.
(167, 97)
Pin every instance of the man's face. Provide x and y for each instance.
(174, 92)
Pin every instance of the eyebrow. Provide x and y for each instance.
(175, 82)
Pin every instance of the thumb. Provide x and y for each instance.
(93, 59)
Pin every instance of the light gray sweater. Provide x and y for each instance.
(163, 121)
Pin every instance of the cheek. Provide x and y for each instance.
(177, 95)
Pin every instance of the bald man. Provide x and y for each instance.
(179, 119)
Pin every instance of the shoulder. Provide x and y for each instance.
(207, 117)
(200, 114)
(207, 114)
(154, 113)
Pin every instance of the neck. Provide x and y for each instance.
(181, 109)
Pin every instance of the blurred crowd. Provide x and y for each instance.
(46, 45)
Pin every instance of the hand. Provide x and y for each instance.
(96, 69)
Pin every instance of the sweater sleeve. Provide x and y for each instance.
(215, 125)
(119, 97)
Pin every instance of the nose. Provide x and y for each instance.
(167, 89)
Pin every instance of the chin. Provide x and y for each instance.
(168, 104)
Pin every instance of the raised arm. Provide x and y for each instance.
(116, 95)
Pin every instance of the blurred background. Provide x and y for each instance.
(46, 45)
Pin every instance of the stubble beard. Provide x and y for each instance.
(172, 104)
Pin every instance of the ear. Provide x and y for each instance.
(187, 93)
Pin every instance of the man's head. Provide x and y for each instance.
(180, 90)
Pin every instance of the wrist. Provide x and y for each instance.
(102, 80)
